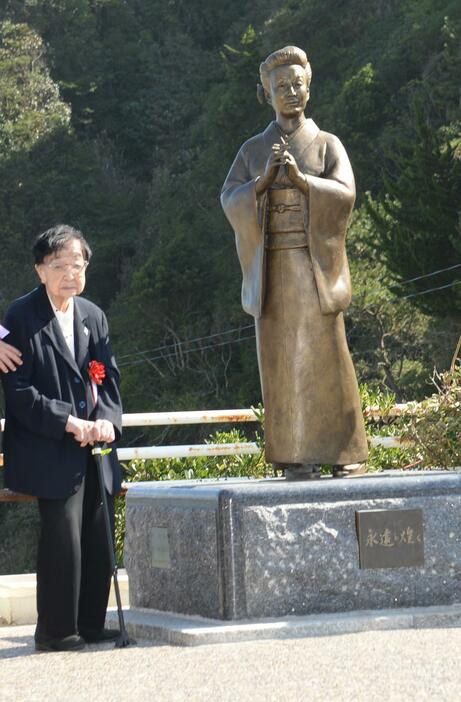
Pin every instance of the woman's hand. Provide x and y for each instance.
(280, 156)
(10, 357)
(86, 432)
(103, 431)
(273, 163)
(82, 430)
(294, 174)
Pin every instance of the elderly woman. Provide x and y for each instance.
(288, 197)
(57, 406)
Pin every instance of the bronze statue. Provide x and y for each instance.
(288, 196)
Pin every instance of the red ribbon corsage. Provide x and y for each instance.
(97, 372)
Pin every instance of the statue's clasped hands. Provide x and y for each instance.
(281, 156)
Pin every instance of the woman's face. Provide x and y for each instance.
(63, 273)
(289, 91)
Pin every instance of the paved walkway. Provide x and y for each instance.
(386, 665)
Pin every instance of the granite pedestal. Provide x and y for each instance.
(244, 549)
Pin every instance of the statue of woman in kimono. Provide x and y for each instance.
(288, 196)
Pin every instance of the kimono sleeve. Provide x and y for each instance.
(244, 210)
(331, 199)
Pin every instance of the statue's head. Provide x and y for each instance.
(285, 76)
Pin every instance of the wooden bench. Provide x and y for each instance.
(10, 496)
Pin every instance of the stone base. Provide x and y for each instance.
(183, 630)
(245, 549)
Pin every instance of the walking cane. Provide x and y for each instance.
(123, 640)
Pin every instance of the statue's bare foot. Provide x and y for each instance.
(302, 471)
(340, 471)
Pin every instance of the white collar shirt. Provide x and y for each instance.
(66, 322)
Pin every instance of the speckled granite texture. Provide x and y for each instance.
(250, 549)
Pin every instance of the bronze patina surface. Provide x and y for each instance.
(288, 196)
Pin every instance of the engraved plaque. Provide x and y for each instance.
(160, 547)
(390, 538)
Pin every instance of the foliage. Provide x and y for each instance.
(30, 104)
(418, 218)
(123, 117)
(20, 531)
(394, 345)
(375, 397)
(434, 424)
(380, 458)
(202, 467)
(48, 175)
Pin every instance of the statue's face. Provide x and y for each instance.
(289, 90)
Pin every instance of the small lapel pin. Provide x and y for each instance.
(85, 331)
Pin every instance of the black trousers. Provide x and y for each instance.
(73, 564)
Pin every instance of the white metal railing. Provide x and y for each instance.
(188, 451)
(144, 419)
(191, 417)
(147, 419)
(219, 416)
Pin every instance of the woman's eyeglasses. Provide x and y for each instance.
(61, 268)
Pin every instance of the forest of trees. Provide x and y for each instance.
(122, 117)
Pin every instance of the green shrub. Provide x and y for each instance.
(380, 458)
(19, 526)
(434, 425)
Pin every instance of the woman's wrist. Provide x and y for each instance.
(303, 183)
(260, 185)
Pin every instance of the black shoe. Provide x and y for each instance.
(68, 643)
(101, 636)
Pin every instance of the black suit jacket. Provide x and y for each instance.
(40, 457)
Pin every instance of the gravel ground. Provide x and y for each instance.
(387, 665)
